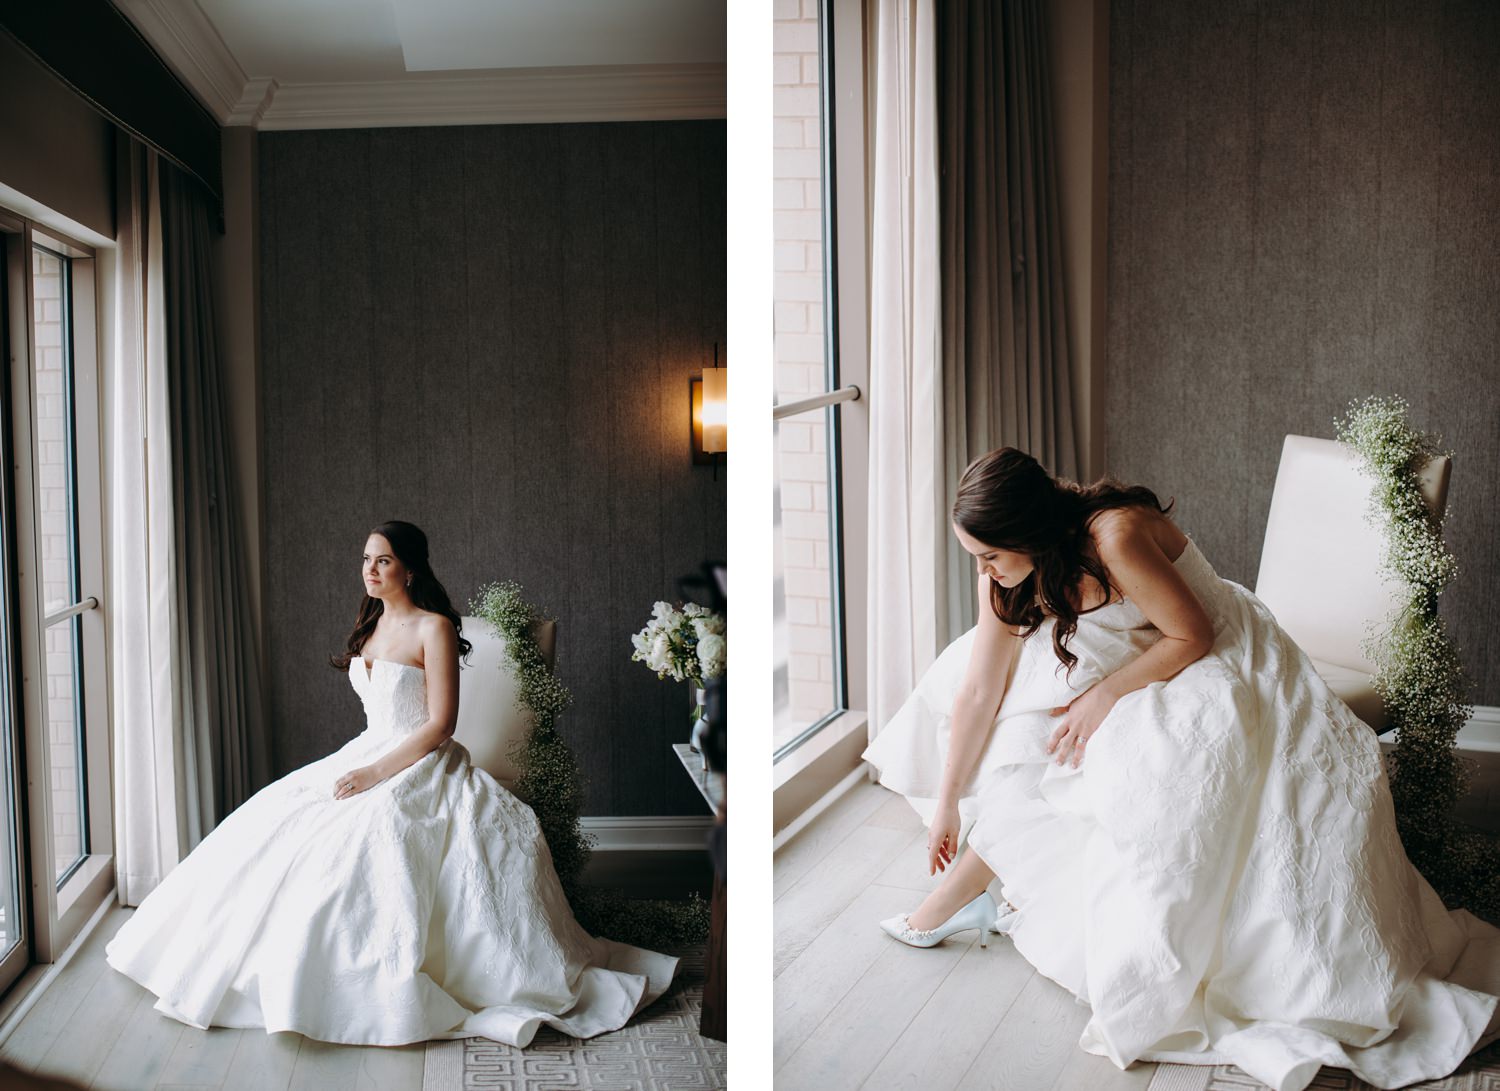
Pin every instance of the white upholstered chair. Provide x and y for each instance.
(489, 720)
(1320, 562)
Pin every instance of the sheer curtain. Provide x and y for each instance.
(189, 743)
(968, 335)
(1004, 321)
(907, 519)
(150, 827)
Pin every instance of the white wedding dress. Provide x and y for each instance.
(1220, 880)
(425, 907)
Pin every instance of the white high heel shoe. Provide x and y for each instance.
(980, 914)
(1005, 919)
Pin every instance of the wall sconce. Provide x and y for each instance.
(710, 409)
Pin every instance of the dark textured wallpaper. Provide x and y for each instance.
(489, 331)
(1304, 208)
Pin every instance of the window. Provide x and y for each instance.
(53, 704)
(809, 649)
(57, 493)
(809, 676)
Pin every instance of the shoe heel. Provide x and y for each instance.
(984, 937)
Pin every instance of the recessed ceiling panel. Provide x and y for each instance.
(310, 41)
(445, 35)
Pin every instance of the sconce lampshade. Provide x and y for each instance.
(715, 409)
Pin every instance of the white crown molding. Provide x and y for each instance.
(254, 101)
(186, 39)
(513, 96)
(188, 42)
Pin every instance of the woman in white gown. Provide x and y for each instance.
(1191, 832)
(389, 892)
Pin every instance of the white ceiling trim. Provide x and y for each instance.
(615, 93)
(254, 101)
(187, 40)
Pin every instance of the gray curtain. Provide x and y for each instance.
(223, 736)
(1004, 329)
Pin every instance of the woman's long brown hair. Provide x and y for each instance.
(409, 545)
(1007, 501)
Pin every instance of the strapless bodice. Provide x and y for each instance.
(394, 695)
(1195, 570)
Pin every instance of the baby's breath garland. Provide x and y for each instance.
(1418, 672)
(549, 782)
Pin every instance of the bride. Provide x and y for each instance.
(1192, 834)
(389, 892)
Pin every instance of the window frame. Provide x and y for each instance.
(828, 754)
(59, 911)
(13, 278)
(832, 381)
(75, 602)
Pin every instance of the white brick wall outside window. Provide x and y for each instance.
(804, 636)
(54, 492)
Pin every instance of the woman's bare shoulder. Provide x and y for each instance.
(1122, 529)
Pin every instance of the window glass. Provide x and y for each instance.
(57, 494)
(12, 923)
(808, 681)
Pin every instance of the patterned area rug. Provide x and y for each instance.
(1481, 1072)
(660, 1050)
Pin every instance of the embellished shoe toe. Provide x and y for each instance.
(900, 928)
(979, 914)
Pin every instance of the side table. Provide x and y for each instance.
(713, 1022)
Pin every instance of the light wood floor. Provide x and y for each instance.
(97, 1028)
(854, 1008)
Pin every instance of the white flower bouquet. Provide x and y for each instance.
(686, 644)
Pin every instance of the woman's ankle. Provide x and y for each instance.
(936, 908)
(921, 920)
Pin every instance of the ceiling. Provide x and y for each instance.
(338, 63)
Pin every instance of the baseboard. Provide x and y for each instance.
(1482, 732)
(649, 833)
(1479, 747)
(655, 856)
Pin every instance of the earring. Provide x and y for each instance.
(408, 579)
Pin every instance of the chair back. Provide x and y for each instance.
(1320, 562)
(490, 719)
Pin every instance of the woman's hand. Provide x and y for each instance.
(942, 838)
(1080, 720)
(354, 782)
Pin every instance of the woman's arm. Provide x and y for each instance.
(1142, 572)
(440, 659)
(992, 660)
